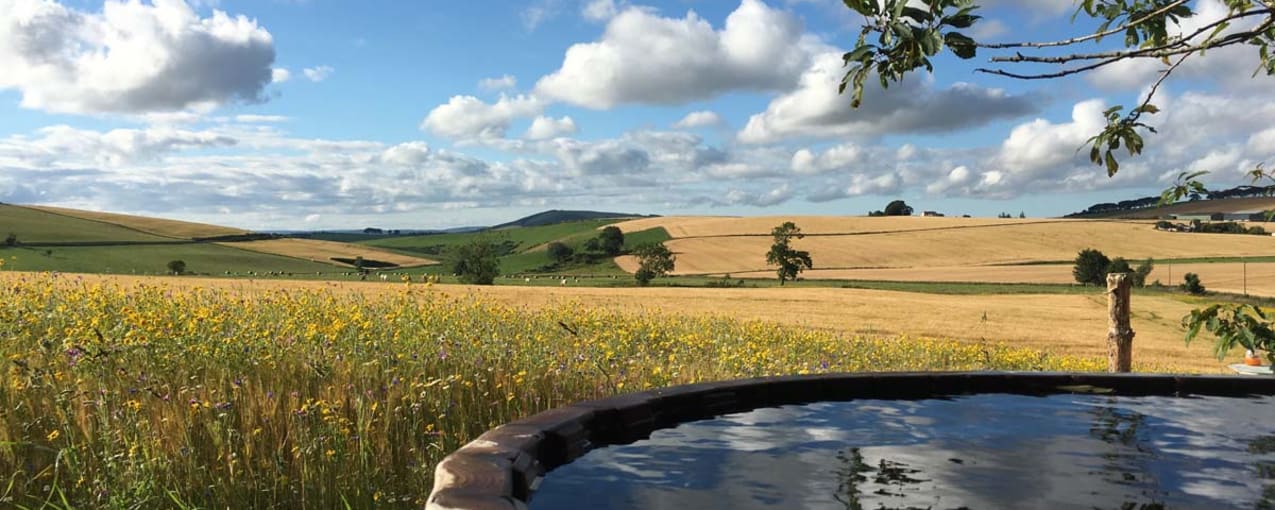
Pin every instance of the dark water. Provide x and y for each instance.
(984, 451)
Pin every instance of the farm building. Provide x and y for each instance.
(932, 214)
(1201, 217)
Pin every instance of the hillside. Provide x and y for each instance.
(523, 249)
(59, 239)
(156, 226)
(1226, 206)
(555, 216)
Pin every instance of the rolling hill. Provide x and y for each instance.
(59, 239)
(555, 216)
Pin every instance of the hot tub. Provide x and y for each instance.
(974, 440)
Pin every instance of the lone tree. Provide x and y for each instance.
(611, 241)
(791, 262)
(560, 252)
(476, 263)
(898, 208)
(177, 266)
(654, 260)
(1091, 267)
(11, 240)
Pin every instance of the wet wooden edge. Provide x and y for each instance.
(503, 467)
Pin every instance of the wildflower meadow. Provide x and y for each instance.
(145, 395)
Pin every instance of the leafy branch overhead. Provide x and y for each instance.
(902, 36)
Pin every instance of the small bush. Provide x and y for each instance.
(1191, 284)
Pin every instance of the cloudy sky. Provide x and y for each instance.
(337, 114)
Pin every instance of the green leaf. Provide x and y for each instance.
(961, 46)
(1112, 165)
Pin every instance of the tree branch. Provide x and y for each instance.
(1143, 52)
(1160, 52)
(1069, 42)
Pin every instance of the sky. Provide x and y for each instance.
(329, 114)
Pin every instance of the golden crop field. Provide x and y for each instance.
(700, 226)
(316, 250)
(1218, 276)
(204, 393)
(1007, 242)
(157, 226)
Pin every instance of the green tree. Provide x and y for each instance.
(898, 208)
(559, 252)
(11, 240)
(177, 266)
(1091, 267)
(654, 260)
(611, 241)
(1141, 273)
(1119, 265)
(477, 263)
(1191, 284)
(791, 262)
(360, 265)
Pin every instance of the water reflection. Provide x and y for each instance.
(984, 451)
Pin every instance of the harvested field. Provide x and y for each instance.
(971, 245)
(700, 226)
(323, 251)
(157, 226)
(1061, 324)
(1218, 276)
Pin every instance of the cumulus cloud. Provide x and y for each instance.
(840, 157)
(132, 57)
(649, 59)
(318, 73)
(599, 10)
(773, 197)
(280, 75)
(260, 119)
(543, 128)
(698, 120)
(816, 110)
(505, 82)
(469, 118)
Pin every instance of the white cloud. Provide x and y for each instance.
(319, 73)
(645, 58)
(260, 119)
(770, 198)
(505, 82)
(837, 158)
(543, 128)
(599, 10)
(132, 57)
(698, 120)
(280, 75)
(469, 118)
(815, 109)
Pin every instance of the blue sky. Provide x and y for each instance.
(336, 114)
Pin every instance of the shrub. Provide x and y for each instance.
(1091, 267)
(177, 266)
(1191, 283)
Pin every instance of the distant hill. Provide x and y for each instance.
(555, 216)
(1225, 206)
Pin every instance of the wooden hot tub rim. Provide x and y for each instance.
(502, 468)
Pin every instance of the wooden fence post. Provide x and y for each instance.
(1119, 333)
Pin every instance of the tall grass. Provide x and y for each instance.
(148, 396)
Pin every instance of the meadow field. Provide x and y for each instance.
(125, 392)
